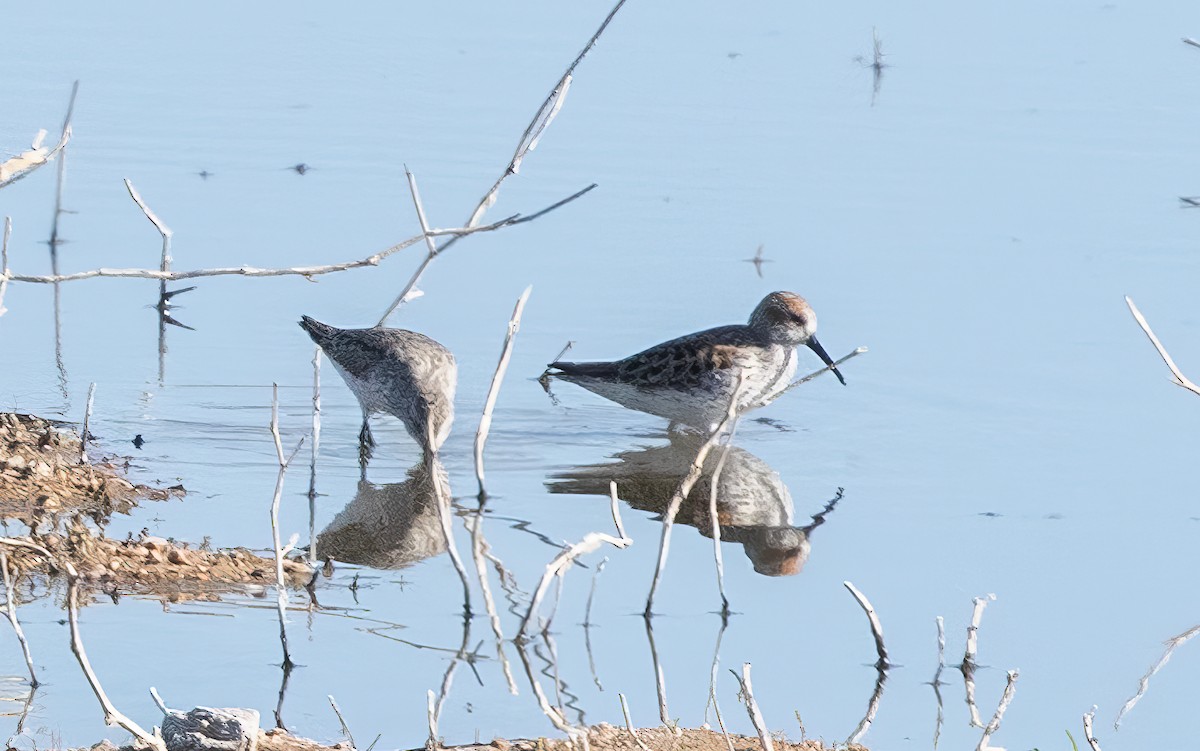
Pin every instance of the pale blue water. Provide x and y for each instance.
(976, 227)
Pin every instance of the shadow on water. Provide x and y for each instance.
(754, 507)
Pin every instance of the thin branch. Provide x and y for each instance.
(872, 708)
(1189, 40)
(11, 608)
(764, 736)
(1180, 378)
(342, 721)
(629, 724)
(431, 712)
(485, 421)
(685, 487)
(1087, 729)
(4, 271)
(815, 373)
(37, 156)
(316, 448)
(281, 593)
(1005, 700)
(87, 419)
(1172, 644)
(253, 271)
(968, 663)
(876, 627)
(562, 562)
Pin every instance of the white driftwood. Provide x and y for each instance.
(1180, 378)
(485, 421)
(760, 725)
(11, 609)
(87, 419)
(1005, 700)
(876, 627)
(1088, 735)
(629, 724)
(1144, 683)
(685, 487)
(37, 155)
(342, 721)
(968, 663)
(4, 270)
(561, 562)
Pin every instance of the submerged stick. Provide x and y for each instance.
(485, 422)
(685, 487)
(1180, 378)
(1172, 644)
(87, 419)
(11, 609)
(764, 735)
(1005, 700)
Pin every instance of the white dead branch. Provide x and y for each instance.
(994, 725)
(764, 735)
(11, 610)
(876, 627)
(485, 422)
(1179, 378)
(1172, 644)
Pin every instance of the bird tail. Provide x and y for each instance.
(584, 369)
(320, 332)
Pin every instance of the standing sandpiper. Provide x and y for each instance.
(400, 372)
(690, 380)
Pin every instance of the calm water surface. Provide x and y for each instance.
(975, 223)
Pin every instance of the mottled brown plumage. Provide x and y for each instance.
(691, 379)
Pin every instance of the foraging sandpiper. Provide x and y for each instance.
(690, 380)
(400, 372)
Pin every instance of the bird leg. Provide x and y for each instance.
(366, 442)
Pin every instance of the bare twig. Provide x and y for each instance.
(485, 422)
(968, 663)
(281, 593)
(159, 225)
(815, 373)
(87, 418)
(1005, 700)
(316, 448)
(1088, 717)
(253, 271)
(111, 715)
(561, 562)
(22, 164)
(11, 608)
(529, 141)
(715, 526)
(1189, 40)
(629, 724)
(764, 735)
(432, 742)
(1180, 378)
(941, 641)
(342, 721)
(685, 487)
(876, 627)
(1172, 644)
(4, 271)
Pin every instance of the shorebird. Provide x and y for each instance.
(399, 372)
(690, 380)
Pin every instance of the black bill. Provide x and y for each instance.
(815, 346)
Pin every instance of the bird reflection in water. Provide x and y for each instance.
(754, 507)
(389, 526)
